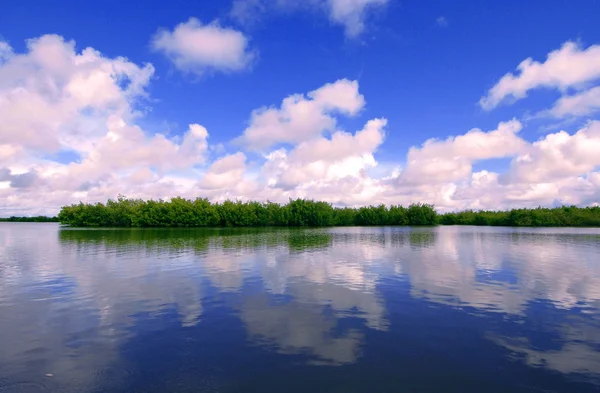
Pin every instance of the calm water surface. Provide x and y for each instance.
(449, 309)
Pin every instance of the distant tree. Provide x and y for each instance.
(181, 212)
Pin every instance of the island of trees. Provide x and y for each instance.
(29, 219)
(181, 212)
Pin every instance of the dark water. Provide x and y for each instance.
(450, 309)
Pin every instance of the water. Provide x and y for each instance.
(449, 309)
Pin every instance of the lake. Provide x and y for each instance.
(386, 309)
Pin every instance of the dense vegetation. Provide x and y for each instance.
(566, 216)
(180, 212)
(29, 219)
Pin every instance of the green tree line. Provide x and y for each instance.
(565, 216)
(181, 212)
(29, 219)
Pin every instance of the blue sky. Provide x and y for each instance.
(423, 66)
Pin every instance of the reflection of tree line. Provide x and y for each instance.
(199, 239)
(558, 238)
(202, 239)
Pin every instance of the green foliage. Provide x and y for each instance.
(181, 212)
(421, 214)
(566, 216)
(29, 219)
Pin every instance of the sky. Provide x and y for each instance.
(463, 104)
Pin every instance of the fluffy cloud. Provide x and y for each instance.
(300, 117)
(47, 94)
(323, 164)
(197, 48)
(57, 101)
(225, 173)
(54, 99)
(22, 180)
(125, 148)
(451, 160)
(558, 156)
(5, 51)
(350, 14)
(580, 104)
(568, 67)
(557, 169)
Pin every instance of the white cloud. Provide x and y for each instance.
(350, 14)
(197, 48)
(568, 67)
(451, 160)
(442, 21)
(248, 11)
(225, 173)
(580, 104)
(342, 144)
(320, 166)
(50, 87)
(126, 146)
(55, 99)
(557, 157)
(300, 117)
(5, 51)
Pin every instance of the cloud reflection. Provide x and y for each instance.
(76, 297)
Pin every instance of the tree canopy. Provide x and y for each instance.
(200, 212)
(180, 212)
(29, 219)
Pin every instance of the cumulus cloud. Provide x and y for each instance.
(45, 92)
(225, 173)
(345, 182)
(451, 160)
(199, 48)
(54, 99)
(321, 164)
(21, 180)
(558, 156)
(558, 169)
(5, 51)
(580, 104)
(568, 67)
(350, 14)
(301, 117)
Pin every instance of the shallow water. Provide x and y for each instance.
(448, 309)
